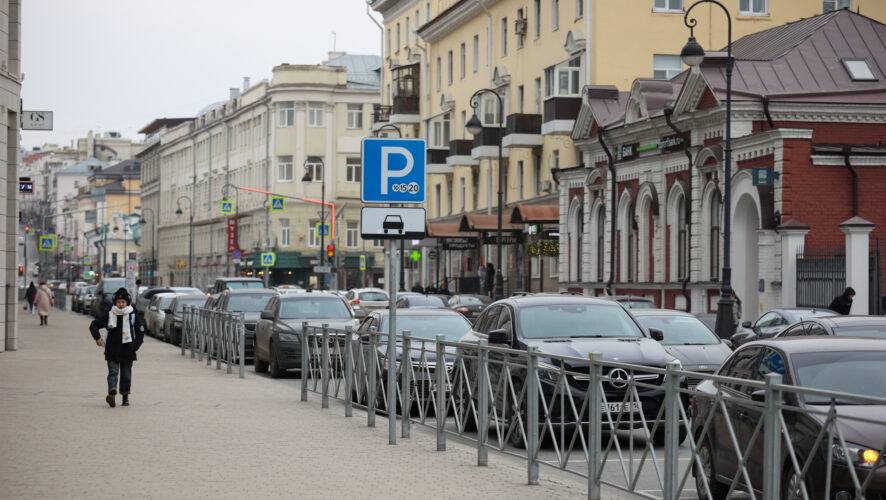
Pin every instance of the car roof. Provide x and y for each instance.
(190, 296)
(799, 309)
(369, 289)
(792, 345)
(234, 278)
(309, 295)
(617, 298)
(418, 312)
(250, 291)
(851, 320)
(167, 294)
(660, 312)
(545, 299)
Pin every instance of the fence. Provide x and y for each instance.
(821, 276)
(217, 335)
(753, 431)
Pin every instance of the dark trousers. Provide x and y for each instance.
(123, 370)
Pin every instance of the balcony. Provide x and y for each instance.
(381, 113)
(460, 153)
(486, 143)
(437, 161)
(522, 130)
(405, 109)
(560, 114)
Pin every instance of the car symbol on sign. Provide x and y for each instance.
(393, 222)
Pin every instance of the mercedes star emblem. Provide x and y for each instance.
(619, 378)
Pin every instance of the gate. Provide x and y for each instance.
(821, 276)
(875, 289)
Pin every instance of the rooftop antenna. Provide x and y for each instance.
(333, 41)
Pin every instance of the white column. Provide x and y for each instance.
(793, 237)
(858, 231)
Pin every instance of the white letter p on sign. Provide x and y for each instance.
(386, 173)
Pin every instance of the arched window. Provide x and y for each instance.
(716, 208)
(600, 239)
(678, 239)
(574, 237)
(646, 237)
(682, 238)
(627, 239)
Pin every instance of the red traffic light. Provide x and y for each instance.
(21, 270)
(27, 228)
(330, 250)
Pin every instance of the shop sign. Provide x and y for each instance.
(666, 144)
(459, 244)
(232, 235)
(544, 248)
(506, 239)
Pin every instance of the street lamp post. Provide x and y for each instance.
(309, 177)
(391, 126)
(178, 211)
(693, 54)
(143, 222)
(225, 193)
(475, 127)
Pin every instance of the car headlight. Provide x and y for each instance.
(289, 337)
(548, 372)
(858, 455)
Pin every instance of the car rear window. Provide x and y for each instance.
(869, 331)
(248, 303)
(313, 308)
(236, 285)
(373, 296)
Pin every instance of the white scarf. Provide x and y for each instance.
(112, 322)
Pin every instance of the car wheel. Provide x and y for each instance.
(793, 485)
(516, 437)
(706, 457)
(259, 366)
(276, 372)
(658, 439)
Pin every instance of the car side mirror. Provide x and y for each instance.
(747, 324)
(656, 334)
(167, 311)
(267, 315)
(728, 343)
(500, 336)
(759, 395)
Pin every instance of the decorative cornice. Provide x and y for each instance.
(452, 18)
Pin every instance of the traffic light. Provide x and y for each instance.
(27, 229)
(21, 270)
(330, 253)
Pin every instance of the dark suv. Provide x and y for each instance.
(250, 302)
(236, 283)
(104, 293)
(574, 326)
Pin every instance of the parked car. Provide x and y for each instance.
(420, 300)
(773, 322)
(76, 299)
(144, 298)
(833, 364)
(172, 321)
(687, 339)
(840, 326)
(574, 326)
(277, 342)
(85, 299)
(104, 294)
(249, 301)
(469, 305)
(631, 301)
(155, 316)
(365, 300)
(235, 283)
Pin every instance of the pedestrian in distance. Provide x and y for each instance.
(736, 311)
(43, 301)
(417, 288)
(444, 287)
(842, 304)
(125, 334)
(30, 296)
(490, 279)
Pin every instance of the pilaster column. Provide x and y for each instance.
(858, 232)
(793, 237)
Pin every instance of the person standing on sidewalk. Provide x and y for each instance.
(43, 300)
(30, 296)
(126, 332)
(842, 304)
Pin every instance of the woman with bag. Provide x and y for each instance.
(44, 301)
(126, 332)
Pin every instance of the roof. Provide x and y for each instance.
(768, 44)
(546, 299)
(84, 167)
(526, 213)
(419, 312)
(851, 320)
(126, 168)
(795, 345)
(160, 123)
(250, 291)
(485, 222)
(363, 70)
(447, 230)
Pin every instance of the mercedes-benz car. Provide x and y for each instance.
(249, 301)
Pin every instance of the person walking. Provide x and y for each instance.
(43, 301)
(842, 304)
(125, 334)
(30, 296)
(736, 311)
(490, 280)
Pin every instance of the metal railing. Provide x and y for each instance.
(215, 335)
(615, 424)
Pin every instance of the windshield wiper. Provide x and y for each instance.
(692, 343)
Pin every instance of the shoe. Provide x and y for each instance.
(111, 399)
(126, 400)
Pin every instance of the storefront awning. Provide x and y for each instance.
(447, 230)
(486, 222)
(525, 213)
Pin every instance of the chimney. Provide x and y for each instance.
(334, 55)
(245, 83)
(235, 92)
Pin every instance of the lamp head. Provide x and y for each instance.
(178, 211)
(142, 221)
(474, 126)
(692, 53)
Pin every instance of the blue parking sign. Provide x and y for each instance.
(393, 170)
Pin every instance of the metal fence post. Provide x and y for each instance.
(218, 344)
(440, 393)
(372, 376)
(391, 386)
(241, 341)
(532, 416)
(229, 341)
(305, 360)
(349, 371)
(595, 424)
(482, 403)
(671, 430)
(772, 439)
(198, 332)
(324, 366)
(405, 386)
(181, 339)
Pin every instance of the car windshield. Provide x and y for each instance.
(637, 304)
(877, 331)
(164, 302)
(576, 320)
(196, 301)
(314, 308)
(425, 301)
(473, 300)
(236, 285)
(795, 316)
(373, 296)
(851, 372)
(248, 302)
(112, 285)
(429, 326)
(680, 330)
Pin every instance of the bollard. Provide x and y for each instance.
(405, 388)
(349, 372)
(372, 379)
(324, 366)
(440, 393)
(482, 403)
(532, 416)
(305, 360)
(671, 430)
(772, 439)
(241, 340)
(391, 386)
(181, 339)
(595, 424)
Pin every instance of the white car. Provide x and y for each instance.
(365, 300)
(155, 316)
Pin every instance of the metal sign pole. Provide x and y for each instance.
(391, 356)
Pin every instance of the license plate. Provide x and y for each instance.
(616, 408)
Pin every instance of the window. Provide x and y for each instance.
(521, 23)
(537, 21)
(353, 169)
(519, 99)
(859, 70)
(440, 137)
(753, 7)
(415, 33)
(538, 96)
(284, 232)
(285, 114)
(355, 116)
(351, 234)
(536, 173)
(830, 5)
(314, 167)
(315, 114)
(388, 42)
(462, 62)
(427, 11)
(438, 200)
(665, 67)
(563, 79)
(555, 159)
(490, 110)
(475, 64)
(714, 242)
(505, 184)
(449, 66)
(464, 193)
(439, 76)
(504, 36)
(398, 38)
(555, 15)
(475, 188)
(520, 180)
(284, 168)
(313, 236)
(450, 194)
(408, 33)
(669, 5)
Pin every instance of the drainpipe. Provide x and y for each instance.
(684, 283)
(766, 113)
(588, 8)
(267, 242)
(489, 37)
(613, 189)
(847, 151)
(381, 72)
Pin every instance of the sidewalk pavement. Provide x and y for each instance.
(194, 432)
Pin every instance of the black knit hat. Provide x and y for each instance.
(122, 294)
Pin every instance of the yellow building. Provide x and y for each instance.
(538, 55)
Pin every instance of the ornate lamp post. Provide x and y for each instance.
(178, 211)
(142, 222)
(309, 177)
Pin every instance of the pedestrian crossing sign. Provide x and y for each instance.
(87, 260)
(48, 242)
(362, 262)
(227, 207)
(278, 203)
(268, 259)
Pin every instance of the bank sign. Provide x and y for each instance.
(666, 144)
(393, 170)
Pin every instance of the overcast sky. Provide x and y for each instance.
(117, 64)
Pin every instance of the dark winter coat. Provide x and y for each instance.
(115, 349)
(31, 294)
(841, 305)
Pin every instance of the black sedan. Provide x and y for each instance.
(419, 301)
(277, 342)
(773, 322)
(173, 322)
(469, 305)
(249, 301)
(839, 326)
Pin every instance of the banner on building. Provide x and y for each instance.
(232, 236)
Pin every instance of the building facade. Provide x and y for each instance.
(10, 107)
